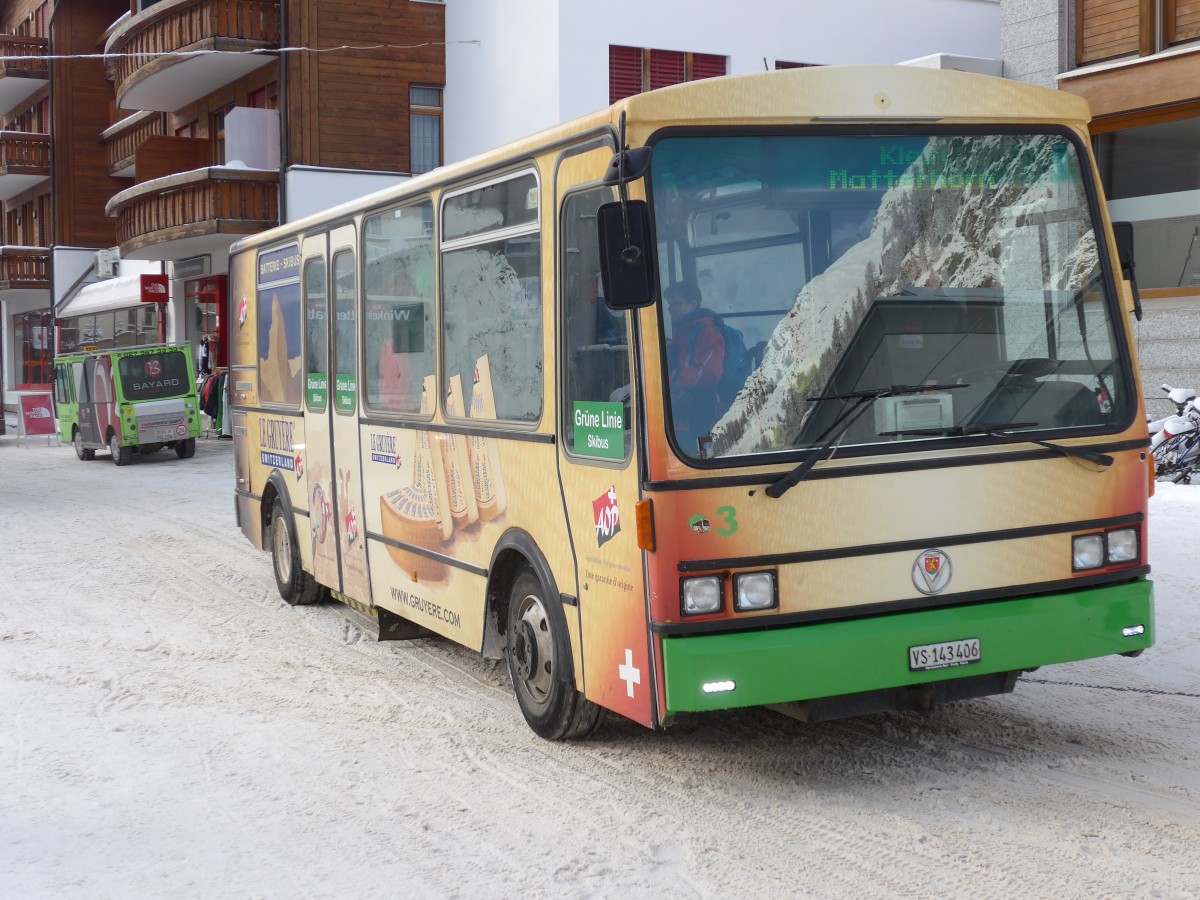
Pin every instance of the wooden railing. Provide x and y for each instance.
(121, 141)
(24, 150)
(1107, 29)
(24, 268)
(182, 24)
(204, 201)
(32, 53)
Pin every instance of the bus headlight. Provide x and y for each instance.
(1123, 545)
(1087, 551)
(754, 590)
(700, 595)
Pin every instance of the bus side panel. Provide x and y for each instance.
(427, 564)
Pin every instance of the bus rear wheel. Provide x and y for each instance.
(185, 449)
(82, 452)
(296, 586)
(539, 663)
(121, 455)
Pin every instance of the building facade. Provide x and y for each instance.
(146, 136)
(1137, 63)
(517, 67)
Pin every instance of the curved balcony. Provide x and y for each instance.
(24, 272)
(24, 162)
(23, 69)
(122, 140)
(151, 66)
(196, 212)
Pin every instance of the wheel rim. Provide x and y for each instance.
(533, 649)
(114, 446)
(78, 440)
(282, 548)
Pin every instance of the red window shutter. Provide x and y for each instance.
(666, 67)
(707, 65)
(624, 72)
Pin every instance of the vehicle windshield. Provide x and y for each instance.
(153, 376)
(800, 270)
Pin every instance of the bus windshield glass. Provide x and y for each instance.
(880, 289)
(153, 376)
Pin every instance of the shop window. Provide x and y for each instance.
(1151, 177)
(425, 128)
(398, 275)
(632, 70)
(493, 300)
(33, 345)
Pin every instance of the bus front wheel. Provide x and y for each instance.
(296, 586)
(539, 664)
(82, 452)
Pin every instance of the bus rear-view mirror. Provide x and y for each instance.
(627, 269)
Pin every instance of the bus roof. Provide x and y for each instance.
(879, 94)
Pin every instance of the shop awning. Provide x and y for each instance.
(121, 292)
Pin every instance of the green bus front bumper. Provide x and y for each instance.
(808, 662)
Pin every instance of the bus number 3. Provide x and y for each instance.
(729, 514)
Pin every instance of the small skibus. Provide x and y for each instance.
(910, 466)
(136, 399)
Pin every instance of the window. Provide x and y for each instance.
(597, 408)
(493, 300)
(216, 128)
(425, 128)
(265, 97)
(317, 337)
(32, 340)
(280, 327)
(398, 273)
(345, 334)
(632, 70)
(1151, 177)
(190, 130)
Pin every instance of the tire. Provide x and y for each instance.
(185, 449)
(82, 452)
(121, 455)
(296, 586)
(539, 663)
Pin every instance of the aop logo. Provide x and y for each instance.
(607, 515)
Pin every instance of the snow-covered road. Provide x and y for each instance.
(170, 728)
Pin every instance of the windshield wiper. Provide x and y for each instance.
(997, 431)
(840, 425)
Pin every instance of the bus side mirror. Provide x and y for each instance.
(1123, 234)
(627, 269)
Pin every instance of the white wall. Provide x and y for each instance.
(541, 62)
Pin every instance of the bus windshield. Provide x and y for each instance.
(877, 289)
(153, 376)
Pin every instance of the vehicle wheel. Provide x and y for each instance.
(121, 455)
(539, 663)
(185, 449)
(295, 585)
(82, 452)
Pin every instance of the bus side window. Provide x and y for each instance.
(597, 338)
(398, 275)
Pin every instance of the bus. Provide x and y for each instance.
(139, 399)
(462, 406)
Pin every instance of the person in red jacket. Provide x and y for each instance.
(696, 356)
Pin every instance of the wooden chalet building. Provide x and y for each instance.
(149, 135)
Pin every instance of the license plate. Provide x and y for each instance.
(944, 655)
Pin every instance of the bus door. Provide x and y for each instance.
(598, 464)
(317, 453)
(332, 461)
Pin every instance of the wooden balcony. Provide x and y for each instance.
(122, 140)
(23, 69)
(24, 269)
(147, 77)
(1109, 29)
(24, 162)
(195, 212)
